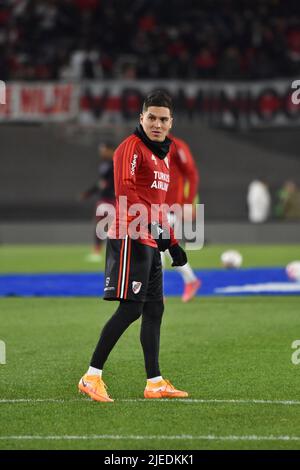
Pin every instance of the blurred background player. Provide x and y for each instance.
(103, 190)
(288, 201)
(183, 189)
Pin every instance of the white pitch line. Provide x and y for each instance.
(143, 400)
(209, 437)
(216, 400)
(37, 400)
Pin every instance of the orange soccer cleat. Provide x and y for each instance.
(94, 387)
(190, 290)
(163, 389)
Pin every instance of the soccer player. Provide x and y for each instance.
(184, 178)
(133, 274)
(103, 189)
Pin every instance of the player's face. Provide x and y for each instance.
(156, 122)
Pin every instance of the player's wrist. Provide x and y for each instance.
(178, 255)
(161, 235)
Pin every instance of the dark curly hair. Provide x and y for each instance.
(158, 98)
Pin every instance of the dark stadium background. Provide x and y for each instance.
(228, 65)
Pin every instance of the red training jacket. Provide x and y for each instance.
(144, 179)
(183, 170)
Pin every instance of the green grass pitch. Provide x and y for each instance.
(72, 258)
(233, 355)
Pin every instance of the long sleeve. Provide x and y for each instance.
(126, 164)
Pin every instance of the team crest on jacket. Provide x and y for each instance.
(136, 286)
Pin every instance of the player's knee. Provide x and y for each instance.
(131, 310)
(154, 310)
(159, 309)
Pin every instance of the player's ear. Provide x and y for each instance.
(141, 118)
(171, 123)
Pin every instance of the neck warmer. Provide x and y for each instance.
(160, 149)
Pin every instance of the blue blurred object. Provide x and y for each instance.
(219, 282)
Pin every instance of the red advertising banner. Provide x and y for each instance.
(35, 102)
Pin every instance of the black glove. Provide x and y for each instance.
(178, 255)
(161, 235)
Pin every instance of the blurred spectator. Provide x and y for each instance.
(104, 191)
(230, 64)
(259, 201)
(205, 63)
(48, 39)
(84, 64)
(288, 205)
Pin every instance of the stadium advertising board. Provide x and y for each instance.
(220, 104)
(39, 102)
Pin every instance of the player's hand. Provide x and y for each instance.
(161, 236)
(178, 255)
